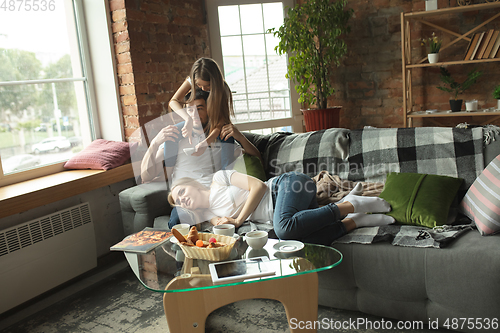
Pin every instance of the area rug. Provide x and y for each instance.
(121, 304)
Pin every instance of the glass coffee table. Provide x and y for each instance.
(190, 296)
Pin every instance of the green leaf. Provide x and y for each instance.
(313, 32)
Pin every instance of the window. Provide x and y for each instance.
(254, 72)
(48, 110)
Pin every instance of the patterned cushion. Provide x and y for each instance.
(482, 201)
(100, 155)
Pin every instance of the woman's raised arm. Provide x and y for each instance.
(177, 107)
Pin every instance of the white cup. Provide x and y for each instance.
(471, 105)
(224, 229)
(183, 228)
(256, 239)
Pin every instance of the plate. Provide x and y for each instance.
(288, 246)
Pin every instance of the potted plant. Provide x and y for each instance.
(434, 44)
(456, 88)
(496, 95)
(312, 34)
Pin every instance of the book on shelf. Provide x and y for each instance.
(494, 51)
(477, 42)
(484, 43)
(143, 241)
(491, 43)
(476, 47)
(472, 46)
(467, 54)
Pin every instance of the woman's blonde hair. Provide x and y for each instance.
(186, 181)
(220, 101)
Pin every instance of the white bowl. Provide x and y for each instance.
(183, 228)
(256, 239)
(224, 229)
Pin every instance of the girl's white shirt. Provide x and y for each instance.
(228, 200)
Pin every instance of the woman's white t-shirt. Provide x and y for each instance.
(228, 200)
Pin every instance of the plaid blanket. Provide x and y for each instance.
(308, 153)
(405, 235)
(331, 189)
(453, 152)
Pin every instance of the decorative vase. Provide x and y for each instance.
(498, 104)
(471, 105)
(319, 119)
(456, 105)
(431, 4)
(433, 58)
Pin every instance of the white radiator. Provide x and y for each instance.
(39, 255)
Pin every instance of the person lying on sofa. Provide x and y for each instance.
(287, 201)
(200, 167)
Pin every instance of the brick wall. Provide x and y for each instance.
(156, 42)
(369, 85)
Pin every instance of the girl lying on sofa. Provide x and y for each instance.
(287, 201)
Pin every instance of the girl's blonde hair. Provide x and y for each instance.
(220, 101)
(186, 181)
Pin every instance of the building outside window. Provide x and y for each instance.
(263, 100)
(45, 95)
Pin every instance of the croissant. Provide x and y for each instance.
(193, 235)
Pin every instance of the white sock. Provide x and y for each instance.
(368, 204)
(357, 190)
(371, 220)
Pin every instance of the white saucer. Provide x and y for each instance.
(288, 246)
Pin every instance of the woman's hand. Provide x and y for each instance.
(226, 220)
(187, 130)
(200, 148)
(169, 133)
(230, 130)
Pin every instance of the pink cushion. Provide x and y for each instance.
(100, 154)
(482, 201)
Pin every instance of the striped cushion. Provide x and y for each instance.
(482, 201)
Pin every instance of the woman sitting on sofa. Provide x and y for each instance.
(287, 201)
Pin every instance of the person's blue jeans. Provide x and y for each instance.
(171, 149)
(297, 214)
(174, 218)
(180, 215)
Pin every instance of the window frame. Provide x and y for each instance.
(296, 118)
(92, 19)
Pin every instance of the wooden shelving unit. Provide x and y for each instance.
(406, 19)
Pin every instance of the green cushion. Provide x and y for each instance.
(250, 165)
(420, 199)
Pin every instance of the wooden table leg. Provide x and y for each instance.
(187, 311)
